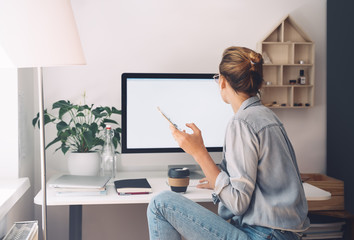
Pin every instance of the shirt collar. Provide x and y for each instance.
(250, 101)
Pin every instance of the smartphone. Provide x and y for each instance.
(167, 118)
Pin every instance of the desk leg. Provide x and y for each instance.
(75, 222)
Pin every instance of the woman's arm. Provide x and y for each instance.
(193, 144)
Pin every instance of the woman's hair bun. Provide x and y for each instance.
(242, 69)
(255, 58)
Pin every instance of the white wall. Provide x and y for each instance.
(182, 36)
(9, 122)
(17, 137)
(23, 210)
(9, 144)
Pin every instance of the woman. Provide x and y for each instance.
(258, 185)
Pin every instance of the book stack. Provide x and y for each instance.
(73, 185)
(324, 227)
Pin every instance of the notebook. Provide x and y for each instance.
(74, 181)
(132, 186)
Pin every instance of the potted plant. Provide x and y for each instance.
(80, 129)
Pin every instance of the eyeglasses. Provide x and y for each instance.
(216, 78)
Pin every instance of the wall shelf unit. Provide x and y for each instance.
(287, 50)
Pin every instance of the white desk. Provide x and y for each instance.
(158, 183)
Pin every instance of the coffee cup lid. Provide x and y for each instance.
(178, 172)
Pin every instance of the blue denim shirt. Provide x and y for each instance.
(260, 183)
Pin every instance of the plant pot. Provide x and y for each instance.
(85, 164)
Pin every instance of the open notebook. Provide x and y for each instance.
(314, 193)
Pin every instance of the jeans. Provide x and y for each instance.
(171, 215)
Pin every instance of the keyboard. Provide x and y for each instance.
(193, 182)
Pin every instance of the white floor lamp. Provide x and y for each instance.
(36, 34)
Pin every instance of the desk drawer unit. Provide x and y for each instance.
(332, 185)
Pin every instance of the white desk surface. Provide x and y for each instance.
(158, 183)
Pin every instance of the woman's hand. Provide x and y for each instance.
(191, 143)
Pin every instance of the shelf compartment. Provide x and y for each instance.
(304, 52)
(293, 33)
(276, 35)
(272, 74)
(292, 72)
(280, 95)
(279, 53)
(303, 96)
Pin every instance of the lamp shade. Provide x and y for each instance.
(38, 33)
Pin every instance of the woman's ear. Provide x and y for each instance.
(222, 82)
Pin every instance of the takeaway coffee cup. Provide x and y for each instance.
(178, 179)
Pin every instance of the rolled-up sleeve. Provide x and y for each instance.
(222, 181)
(235, 183)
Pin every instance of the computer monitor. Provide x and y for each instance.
(184, 98)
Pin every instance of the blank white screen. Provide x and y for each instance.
(183, 101)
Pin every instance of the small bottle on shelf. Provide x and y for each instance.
(108, 159)
(302, 78)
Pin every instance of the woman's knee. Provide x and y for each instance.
(158, 202)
